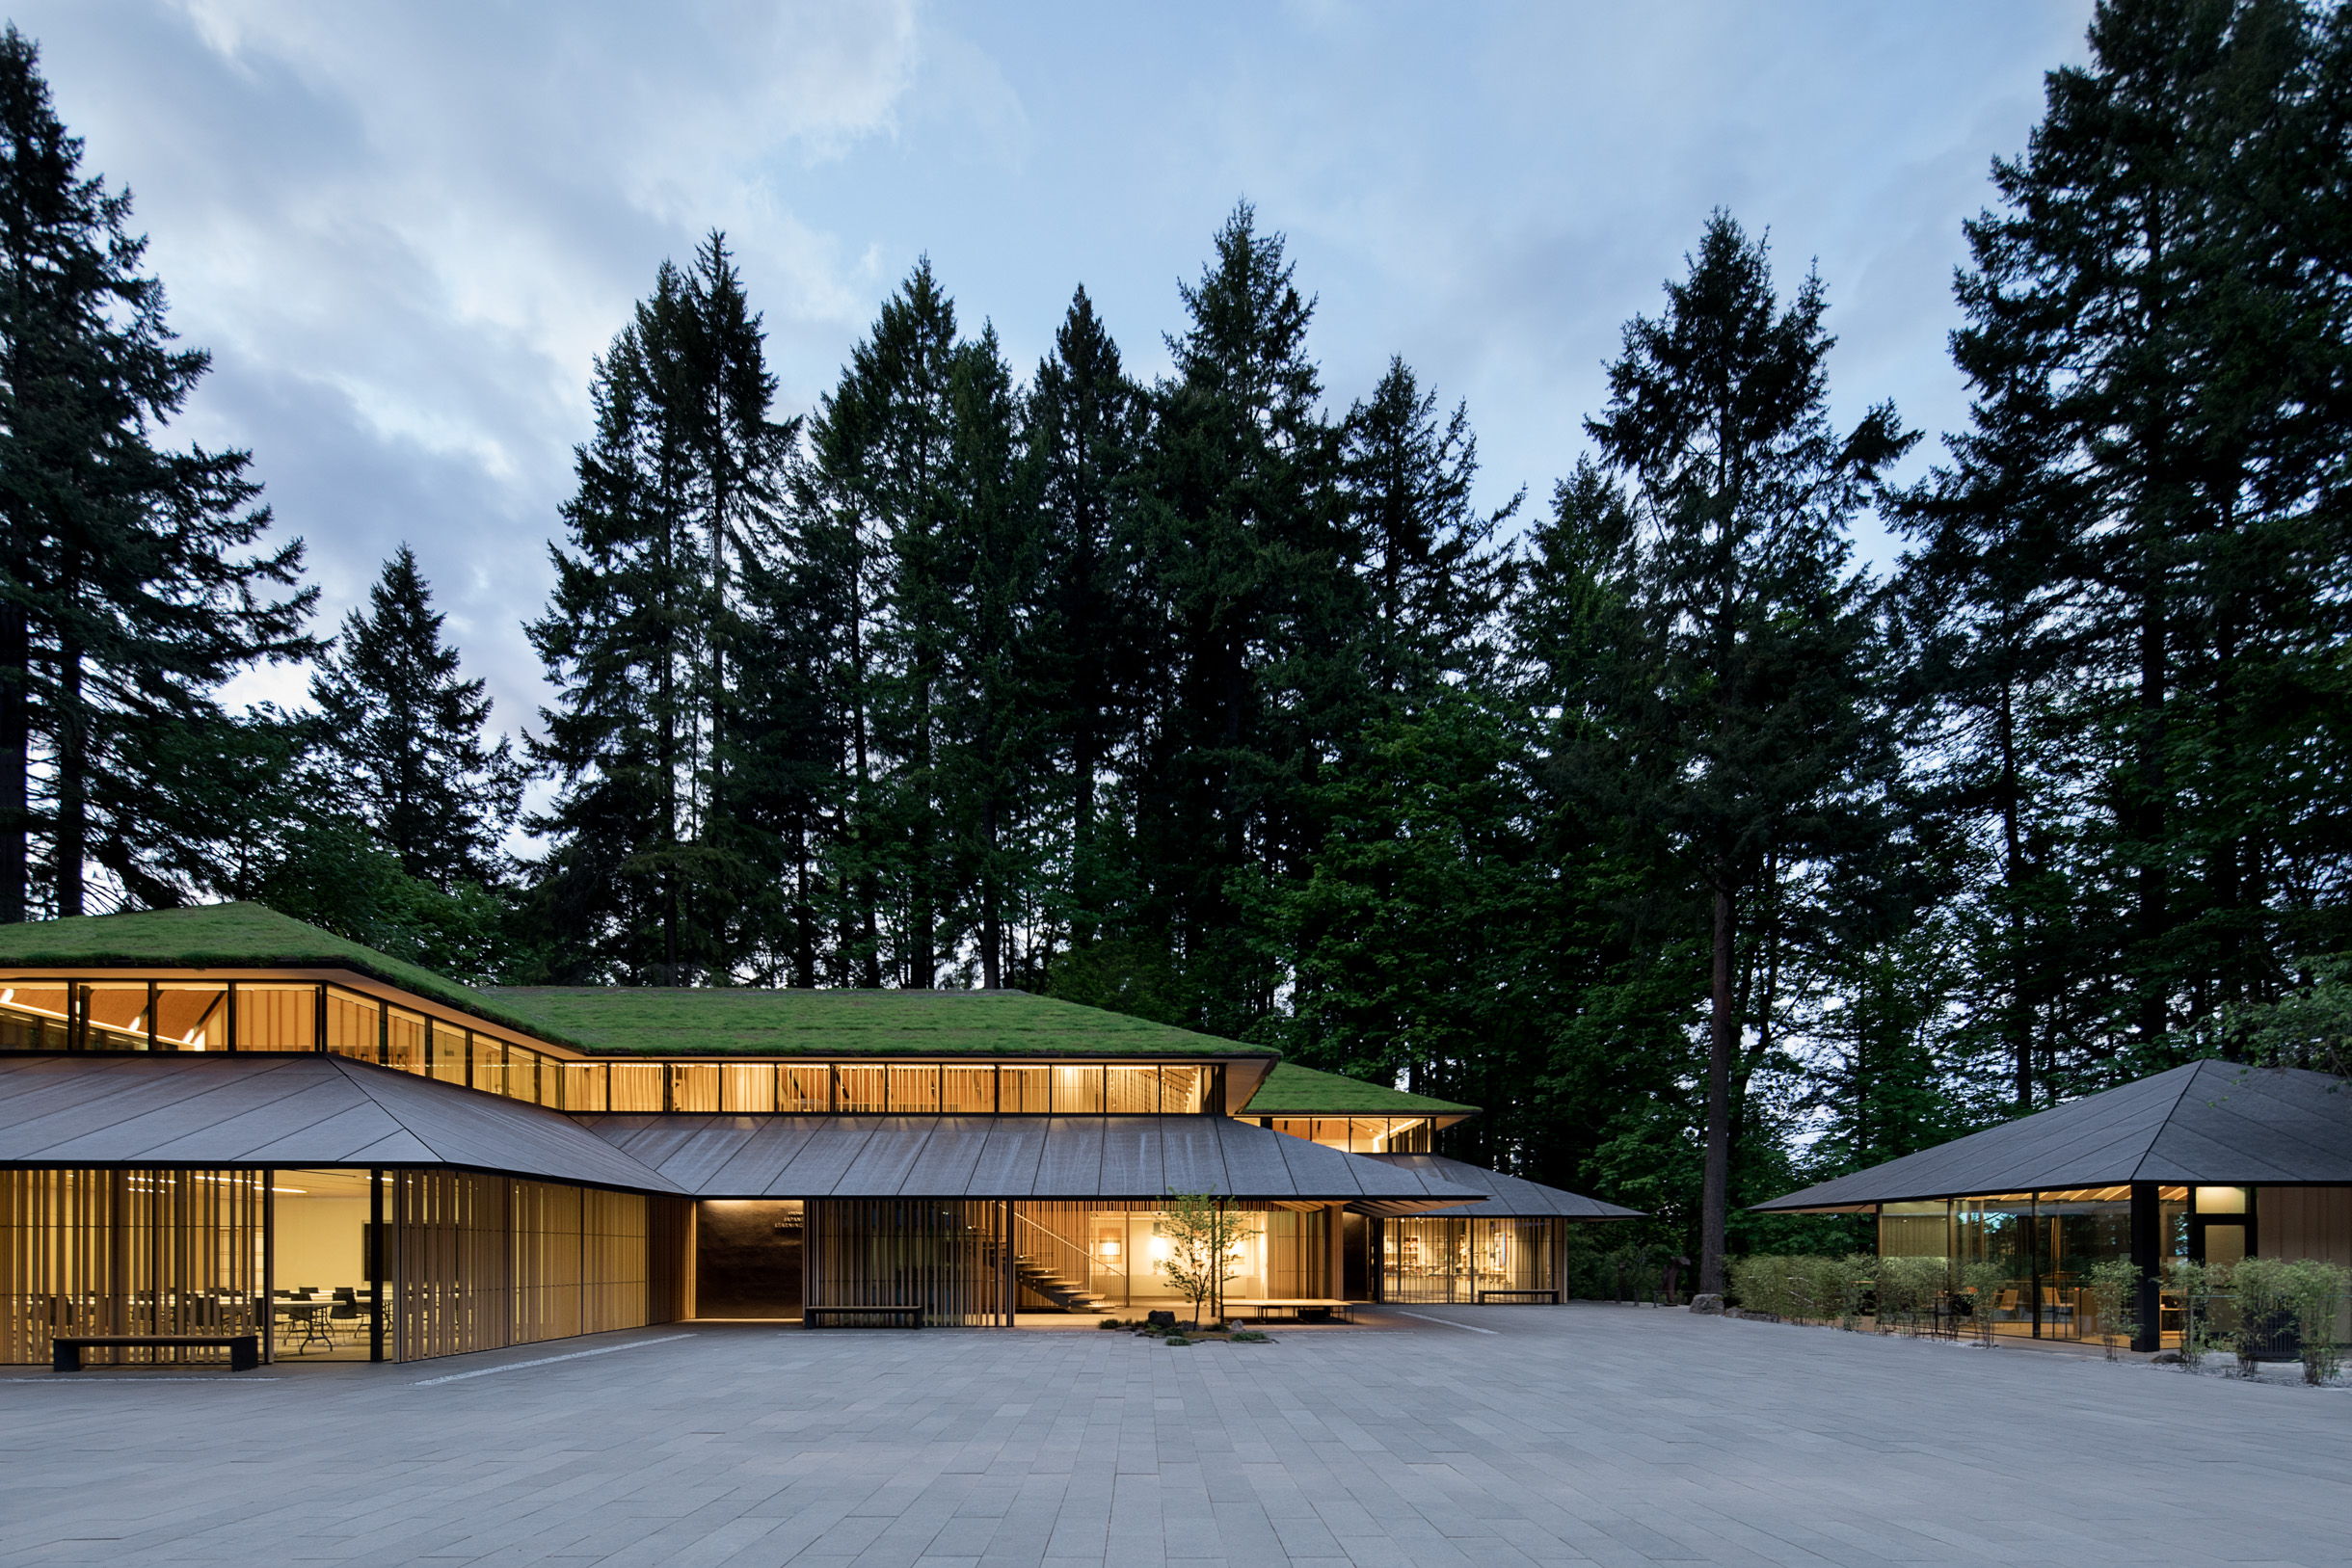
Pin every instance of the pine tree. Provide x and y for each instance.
(125, 598)
(1434, 582)
(1084, 434)
(648, 871)
(1258, 621)
(1745, 725)
(408, 737)
(2138, 552)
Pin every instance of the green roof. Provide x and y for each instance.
(644, 1019)
(679, 1020)
(1291, 1090)
(226, 937)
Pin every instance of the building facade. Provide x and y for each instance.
(2211, 1163)
(220, 1120)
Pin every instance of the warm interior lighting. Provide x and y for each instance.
(1109, 1249)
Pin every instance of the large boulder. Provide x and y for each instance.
(1707, 1304)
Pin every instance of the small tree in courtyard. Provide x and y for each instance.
(1204, 1247)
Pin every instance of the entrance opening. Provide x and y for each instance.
(323, 1298)
(747, 1258)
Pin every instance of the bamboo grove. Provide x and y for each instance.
(1643, 813)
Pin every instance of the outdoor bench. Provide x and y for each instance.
(884, 1316)
(1302, 1309)
(1483, 1296)
(66, 1349)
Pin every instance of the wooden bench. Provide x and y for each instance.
(244, 1349)
(1299, 1309)
(1481, 1297)
(882, 1317)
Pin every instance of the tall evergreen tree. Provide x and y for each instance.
(1247, 576)
(1084, 431)
(126, 597)
(409, 738)
(2138, 553)
(1745, 723)
(647, 873)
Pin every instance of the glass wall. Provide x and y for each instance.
(129, 1251)
(323, 1285)
(177, 1016)
(1359, 1135)
(1447, 1260)
(2022, 1260)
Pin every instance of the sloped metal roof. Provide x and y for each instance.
(1509, 1197)
(189, 1109)
(1009, 1156)
(2214, 1122)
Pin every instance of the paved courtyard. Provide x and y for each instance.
(1562, 1435)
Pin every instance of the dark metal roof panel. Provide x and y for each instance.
(948, 1157)
(882, 1165)
(1010, 1157)
(821, 1162)
(1072, 1163)
(293, 1108)
(1132, 1166)
(1254, 1166)
(2208, 1122)
(1193, 1155)
(763, 1158)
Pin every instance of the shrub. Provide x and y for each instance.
(1759, 1284)
(1984, 1280)
(2260, 1285)
(2114, 1287)
(2315, 1293)
(1910, 1288)
(1249, 1336)
(2193, 1284)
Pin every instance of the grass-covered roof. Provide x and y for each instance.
(695, 1021)
(223, 937)
(1291, 1090)
(626, 1019)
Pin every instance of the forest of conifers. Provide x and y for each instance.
(1214, 697)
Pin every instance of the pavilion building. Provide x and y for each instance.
(221, 1120)
(2212, 1161)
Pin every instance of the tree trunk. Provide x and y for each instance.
(2018, 1023)
(72, 781)
(1718, 1180)
(15, 761)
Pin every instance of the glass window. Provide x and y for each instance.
(747, 1087)
(636, 1086)
(694, 1086)
(1027, 1091)
(115, 1018)
(446, 1045)
(2220, 1199)
(970, 1091)
(913, 1090)
(277, 1018)
(584, 1086)
(404, 1043)
(1132, 1091)
(1078, 1091)
(803, 1087)
(1914, 1229)
(859, 1089)
(354, 1028)
(32, 1015)
(1182, 1089)
(488, 1055)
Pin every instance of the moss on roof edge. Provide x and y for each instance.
(1293, 1090)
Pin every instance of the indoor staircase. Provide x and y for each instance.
(1059, 1288)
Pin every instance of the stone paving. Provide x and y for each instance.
(1580, 1434)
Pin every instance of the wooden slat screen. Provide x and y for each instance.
(944, 1257)
(139, 1250)
(486, 1262)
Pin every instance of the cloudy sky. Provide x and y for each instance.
(404, 230)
